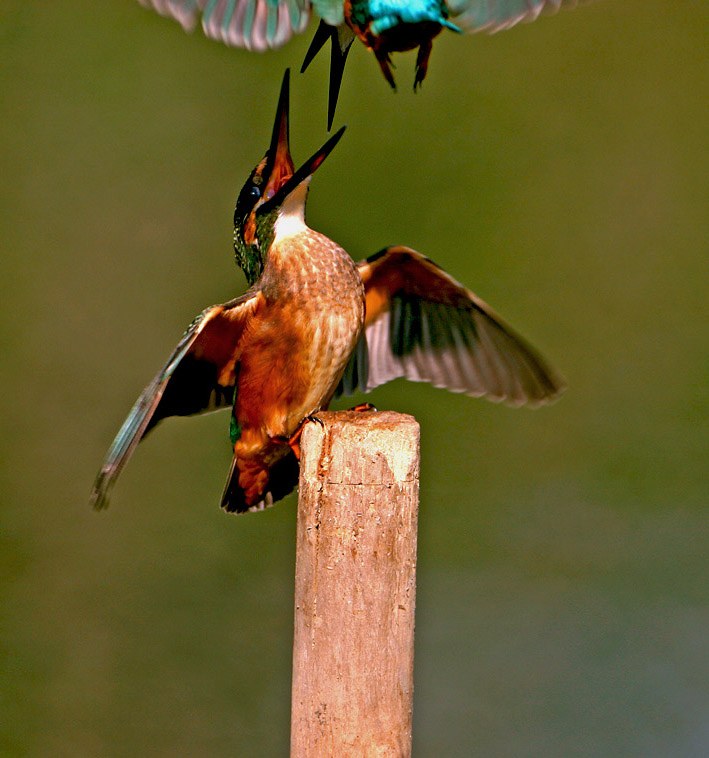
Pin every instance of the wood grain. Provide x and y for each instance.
(355, 587)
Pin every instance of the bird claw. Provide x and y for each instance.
(293, 441)
(422, 64)
(364, 408)
(386, 65)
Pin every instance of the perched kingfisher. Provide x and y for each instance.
(314, 325)
(384, 26)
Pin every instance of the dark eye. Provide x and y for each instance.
(254, 192)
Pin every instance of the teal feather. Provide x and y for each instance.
(232, 21)
(459, 15)
(208, 10)
(261, 24)
(330, 11)
(495, 15)
(382, 15)
(227, 16)
(234, 431)
(295, 14)
(188, 384)
(272, 22)
(249, 21)
(138, 421)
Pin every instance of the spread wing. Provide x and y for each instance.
(423, 325)
(253, 24)
(198, 377)
(495, 15)
(330, 11)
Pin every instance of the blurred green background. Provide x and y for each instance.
(561, 171)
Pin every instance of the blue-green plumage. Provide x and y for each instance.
(387, 26)
(234, 431)
(383, 15)
(384, 26)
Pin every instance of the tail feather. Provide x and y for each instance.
(253, 485)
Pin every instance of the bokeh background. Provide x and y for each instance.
(558, 169)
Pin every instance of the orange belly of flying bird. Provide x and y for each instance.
(294, 350)
(399, 39)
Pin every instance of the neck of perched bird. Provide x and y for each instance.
(290, 218)
(269, 226)
(249, 256)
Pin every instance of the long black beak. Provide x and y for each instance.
(305, 171)
(341, 39)
(279, 164)
(282, 179)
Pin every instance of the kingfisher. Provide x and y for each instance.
(384, 26)
(313, 326)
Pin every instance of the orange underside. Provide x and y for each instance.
(273, 381)
(399, 39)
(255, 455)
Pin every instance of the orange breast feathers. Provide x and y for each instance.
(274, 375)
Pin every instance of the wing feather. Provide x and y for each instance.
(423, 325)
(330, 11)
(495, 15)
(198, 377)
(253, 24)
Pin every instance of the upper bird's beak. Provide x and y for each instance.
(282, 178)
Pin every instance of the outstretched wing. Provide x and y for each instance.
(494, 15)
(423, 325)
(198, 377)
(253, 24)
(330, 11)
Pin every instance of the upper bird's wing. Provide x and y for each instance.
(253, 24)
(330, 11)
(423, 325)
(494, 15)
(198, 377)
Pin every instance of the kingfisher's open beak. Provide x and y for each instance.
(279, 164)
(282, 178)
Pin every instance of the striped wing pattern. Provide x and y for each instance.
(495, 15)
(253, 24)
(263, 24)
(198, 377)
(424, 326)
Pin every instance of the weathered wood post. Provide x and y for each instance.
(355, 584)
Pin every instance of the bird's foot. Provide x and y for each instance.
(313, 417)
(363, 408)
(293, 441)
(422, 63)
(386, 66)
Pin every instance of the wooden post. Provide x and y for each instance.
(355, 584)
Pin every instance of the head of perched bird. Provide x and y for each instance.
(273, 190)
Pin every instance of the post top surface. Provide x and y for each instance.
(369, 419)
(361, 447)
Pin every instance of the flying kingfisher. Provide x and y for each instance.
(314, 325)
(384, 26)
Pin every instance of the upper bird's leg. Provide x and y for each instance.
(363, 407)
(422, 62)
(386, 65)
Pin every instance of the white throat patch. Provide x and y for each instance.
(291, 215)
